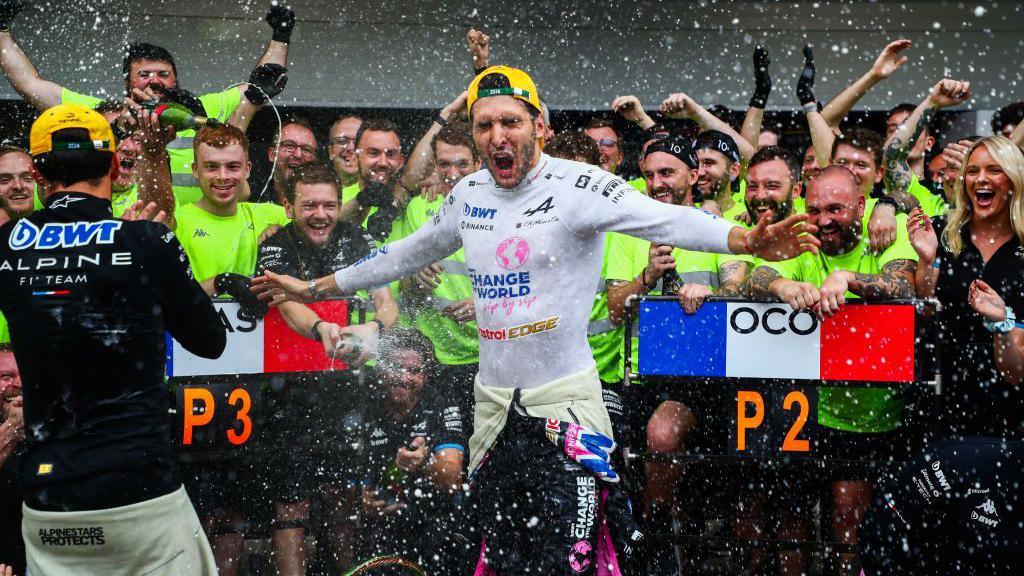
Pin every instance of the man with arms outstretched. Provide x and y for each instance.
(533, 286)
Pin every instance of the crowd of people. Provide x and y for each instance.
(484, 438)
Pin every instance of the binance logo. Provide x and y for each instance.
(200, 233)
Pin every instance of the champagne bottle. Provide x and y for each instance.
(171, 114)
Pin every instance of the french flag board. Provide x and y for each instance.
(257, 347)
(865, 343)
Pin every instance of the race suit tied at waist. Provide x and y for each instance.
(261, 346)
(864, 343)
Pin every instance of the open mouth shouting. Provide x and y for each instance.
(319, 230)
(503, 162)
(984, 197)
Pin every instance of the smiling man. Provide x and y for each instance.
(17, 184)
(219, 233)
(533, 229)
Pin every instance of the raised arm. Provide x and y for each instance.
(822, 135)
(629, 107)
(1008, 343)
(898, 175)
(268, 77)
(680, 105)
(751, 130)
(479, 45)
(421, 161)
(888, 61)
(18, 68)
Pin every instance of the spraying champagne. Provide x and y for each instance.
(171, 114)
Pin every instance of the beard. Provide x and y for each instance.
(846, 240)
(523, 153)
(780, 210)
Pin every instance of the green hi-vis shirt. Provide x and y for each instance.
(865, 410)
(627, 258)
(220, 244)
(605, 338)
(219, 105)
(640, 184)
(932, 204)
(123, 200)
(454, 343)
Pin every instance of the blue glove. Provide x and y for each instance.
(588, 448)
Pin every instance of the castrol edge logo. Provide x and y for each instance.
(513, 332)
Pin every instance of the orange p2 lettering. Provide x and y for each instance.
(744, 422)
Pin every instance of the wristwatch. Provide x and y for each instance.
(887, 200)
(1004, 326)
(313, 333)
(312, 290)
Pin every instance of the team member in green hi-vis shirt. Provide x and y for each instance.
(379, 196)
(150, 73)
(440, 297)
(219, 233)
(855, 423)
(635, 267)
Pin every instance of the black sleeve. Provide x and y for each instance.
(275, 257)
(444, 421)
(188, 311)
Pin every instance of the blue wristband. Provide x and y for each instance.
(1005, 326)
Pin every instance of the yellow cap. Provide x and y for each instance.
(520, 86)
(64, 116)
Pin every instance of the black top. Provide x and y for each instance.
(88, 300)
(435, 416)
(975, 401)
(289, 252)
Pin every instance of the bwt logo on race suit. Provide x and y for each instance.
(482, 213)
(27, 235)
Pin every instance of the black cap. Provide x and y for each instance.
(718, 141)
(675, 145)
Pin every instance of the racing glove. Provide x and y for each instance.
(237, 286)
(282, 21)
(762, 79)
(266, 82)
(805, 84)
(588, 448)
(8, 10)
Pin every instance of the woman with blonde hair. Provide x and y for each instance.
(978, 263)
(958, 502)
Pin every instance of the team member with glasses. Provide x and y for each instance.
(608, 140)
(295, 145)
(341, 149)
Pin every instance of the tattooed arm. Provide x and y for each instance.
(895, 281)
(897, 170)
(732, 278)
(759, 286)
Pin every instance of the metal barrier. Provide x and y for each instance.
(774, 360)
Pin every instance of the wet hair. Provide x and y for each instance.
(455, 133)
(220, 137)
(769, 153)
(296, 119)
(345, 117)
(312, 173)
(6, 149)
(574, 145)
(1008, 115)
(398, 339)
(842, 171)
(139, 51)
(603, 122)
(861, 139)
(1011, 159)
(499, 80)
(376, 125)
(67, 167)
